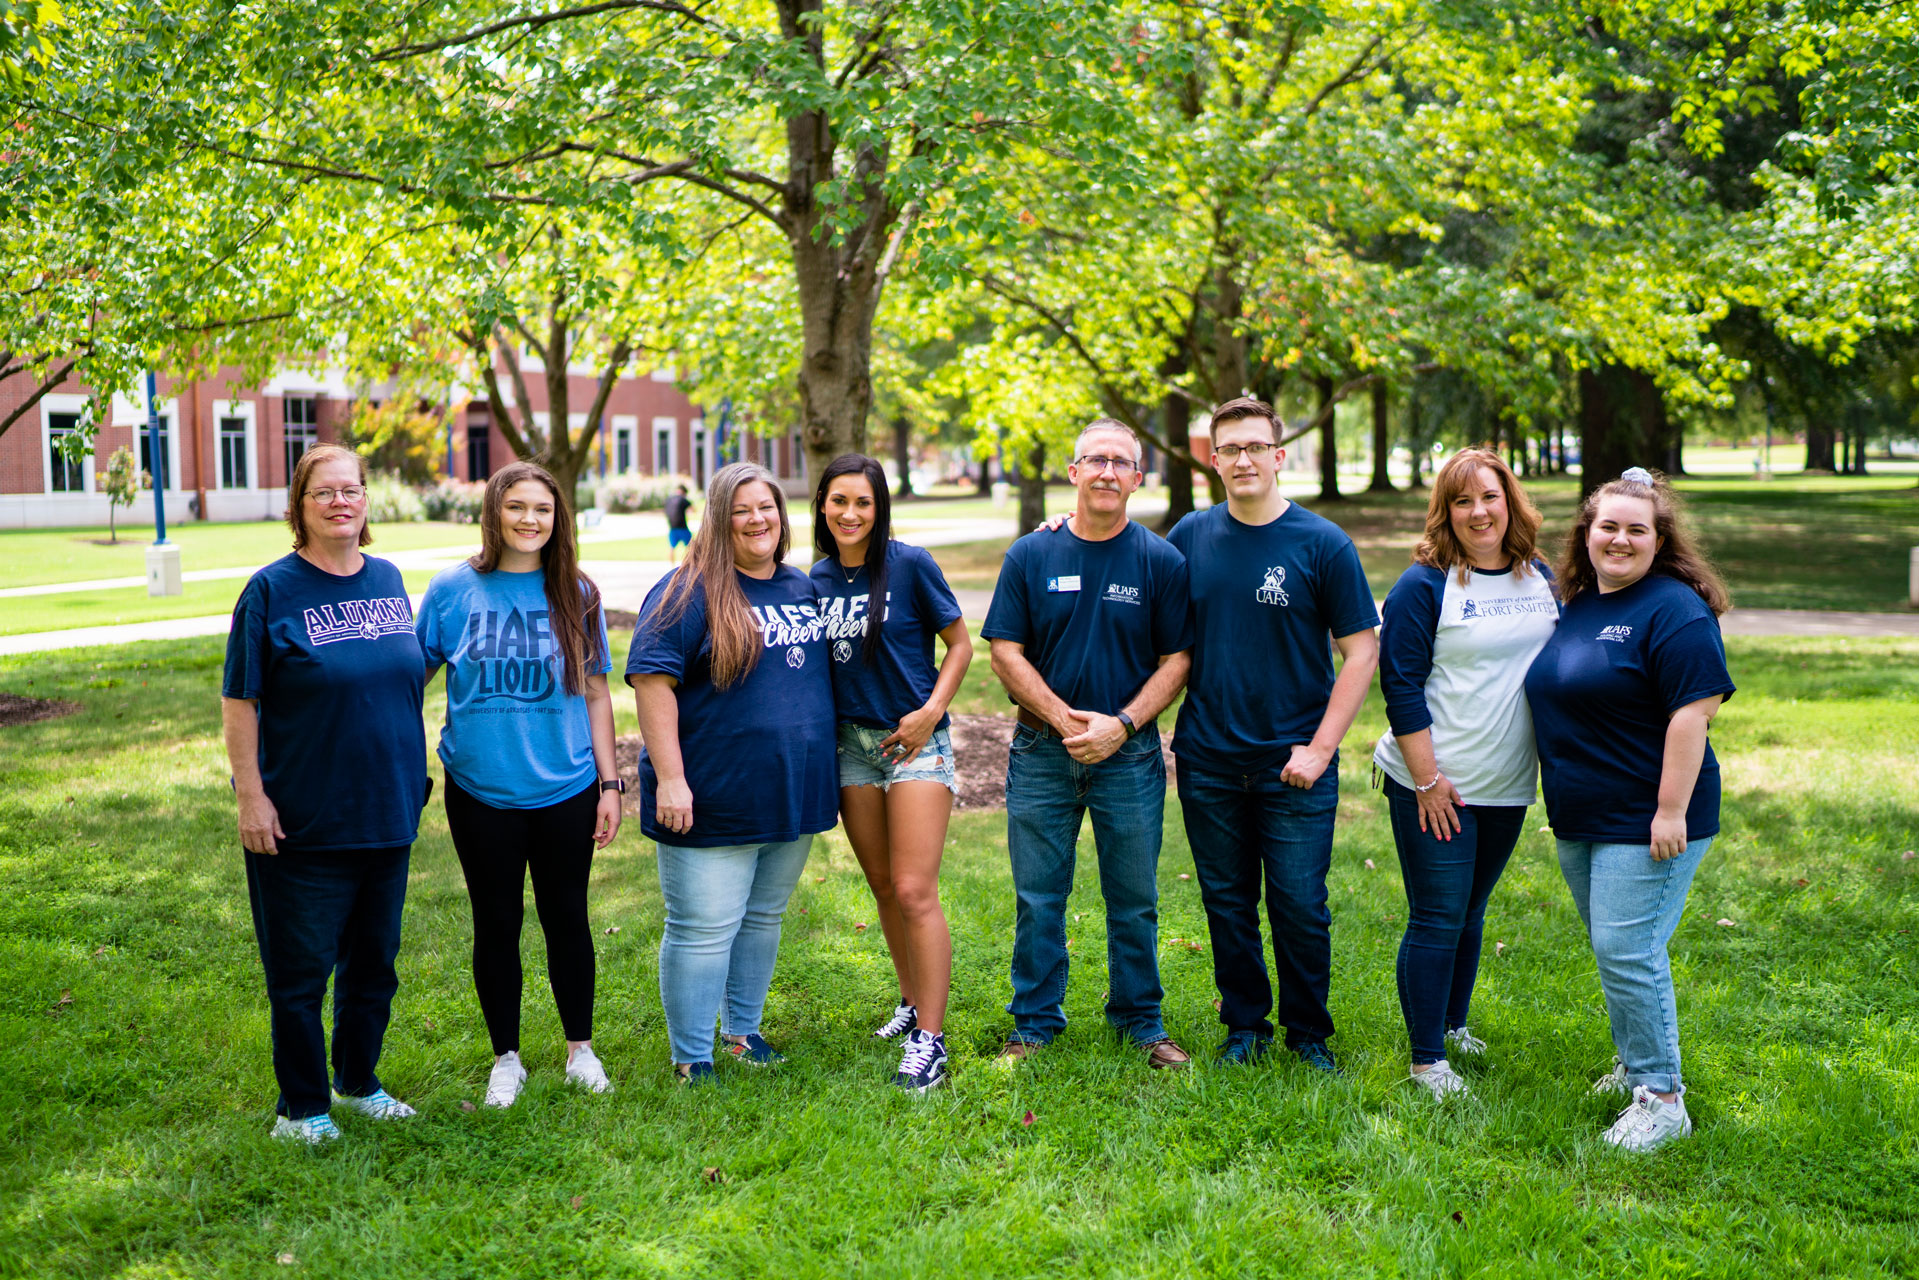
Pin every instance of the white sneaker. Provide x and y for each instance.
(1440, 1080)
(584, 1069)
(313, 1130)
(1462, 1040)
(379, 1104)
(1614, 1081)
(506, 1081)
(1649, 1123)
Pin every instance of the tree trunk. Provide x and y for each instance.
(1622, 419)
(1819, 451)
(903, 455)
(1178, 472)
(985, 478)
(1382, 441)
(1032, 490)
(1328, 444)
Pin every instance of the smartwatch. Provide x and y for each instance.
(1127, 720)
(613, 784)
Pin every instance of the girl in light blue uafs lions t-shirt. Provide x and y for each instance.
(531, 784)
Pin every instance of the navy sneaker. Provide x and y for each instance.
(693, 1073)
(754, 1051)
(1316, 1055)
(923, 1065)
(1243, 1048)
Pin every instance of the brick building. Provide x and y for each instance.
(226, 452)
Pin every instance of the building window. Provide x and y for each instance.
(302, 429)
(162, 474)
(699, 456)
(663, 429)
(623, 450)
(68, 474)
(479, 444)
(234, 472)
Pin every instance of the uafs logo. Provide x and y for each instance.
(1273, 590)
(1121, 594)
(1616, 634)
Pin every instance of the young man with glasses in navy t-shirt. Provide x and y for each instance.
(1258, 735)
(1089, 628)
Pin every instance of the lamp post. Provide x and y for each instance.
(163, 557)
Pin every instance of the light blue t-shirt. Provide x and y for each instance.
(514, 738)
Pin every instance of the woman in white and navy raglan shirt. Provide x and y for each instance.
(531, 785)
(1461, 626)
(1622, 697)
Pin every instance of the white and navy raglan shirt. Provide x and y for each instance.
(1453, 658)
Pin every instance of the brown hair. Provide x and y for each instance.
(1440, 548)
(571, 597)
(1678, 555)
(302, 480)
(1242, 408)
(710, 568)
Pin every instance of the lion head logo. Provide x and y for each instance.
(796, 657)
(842, 651)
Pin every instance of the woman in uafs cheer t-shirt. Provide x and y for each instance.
(321, 706)
(528, 750)
(1621, 698)
(729, 667)
(883, 602)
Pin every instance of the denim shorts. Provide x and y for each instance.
(863, 765)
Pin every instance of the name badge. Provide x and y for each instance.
(1063, 583)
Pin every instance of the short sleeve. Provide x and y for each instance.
(1009, 617)
(1173, 608)
(245, 672)
(1349, 597)
(1689, 663)
(1406, 646)
(932, 598)
(662, 650)
(603, 656)
(426, 625)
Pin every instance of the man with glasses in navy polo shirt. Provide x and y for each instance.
(1275, 588)
(1089, 629)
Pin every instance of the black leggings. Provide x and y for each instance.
(496, 848)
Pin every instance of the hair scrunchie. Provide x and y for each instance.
(1638, 475)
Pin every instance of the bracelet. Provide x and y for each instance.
(1429, 786)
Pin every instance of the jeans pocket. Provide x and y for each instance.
(1024, 738)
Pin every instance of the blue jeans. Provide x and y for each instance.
(1245, 828)
(1631, 905)
(1047, 795)
(1447, 884)
(321, 913)
(723, 910)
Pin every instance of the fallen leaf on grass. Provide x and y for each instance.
(575, 1202)
(465, 1105)
(1216, 1006)
(1027, 1122)
(100, 951)
(1544, 830)
(612, 929)
(1724, 923)
(1184, 876)
(1459, 1217)
(712, 1174)
(801, 910)
(1802, 882)
(860, 927)
(286, 1259)
(1499, 948)
(1906, 856)
(1370, 865)
(819, 879)
(1194, 946)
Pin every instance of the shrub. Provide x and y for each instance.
(583, 496)
(399, 438)
(641, 493)
(454, 500)
(390, 501)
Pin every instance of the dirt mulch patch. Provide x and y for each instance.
(15, 709)
(981, 745)
(620, 620)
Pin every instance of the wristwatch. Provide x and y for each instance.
(613, 784)
(1127, 720)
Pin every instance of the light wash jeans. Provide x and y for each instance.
(723, 909)
(1631, 906)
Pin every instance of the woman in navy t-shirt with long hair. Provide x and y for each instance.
(531, 785)
(883, 602)
(1622, 697)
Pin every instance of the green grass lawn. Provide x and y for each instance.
(135, 1086)
(22, 614)
(30, 557)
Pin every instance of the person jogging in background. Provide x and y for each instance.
(678, 536)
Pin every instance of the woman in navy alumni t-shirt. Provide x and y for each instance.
(883, 602)
(1621, 699)
(321, 706)
(729, 669)
(528, 750)
(1462, 626)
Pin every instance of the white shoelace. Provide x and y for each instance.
(904, 1016)
(919, 1056)
(1465, 1040)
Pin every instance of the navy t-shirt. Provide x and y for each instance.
(1601, 692)
(337, 671)
(1267, 601)
(1095, 617)
(761, 757)
(919, 605)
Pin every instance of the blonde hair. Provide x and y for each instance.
(710, 569)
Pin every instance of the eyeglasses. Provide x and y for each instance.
(1256, 450)
(1099, 462)
(325, 497)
